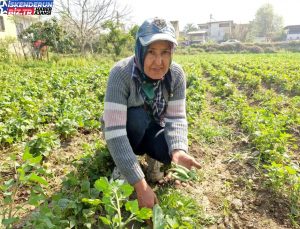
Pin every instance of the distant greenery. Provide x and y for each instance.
(270, 47)
(115, 41)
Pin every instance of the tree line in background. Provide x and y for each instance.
(265, 24)
(113, 40)
(84, 26)
(98, 27)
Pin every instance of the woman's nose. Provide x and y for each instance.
(158, 59)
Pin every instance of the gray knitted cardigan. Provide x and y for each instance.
(122, 93)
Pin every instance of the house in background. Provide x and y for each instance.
(293, 32)
(196, 37)
(11, 26)
(7, 27)
(218, 30)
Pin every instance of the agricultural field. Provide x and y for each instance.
(244, 127)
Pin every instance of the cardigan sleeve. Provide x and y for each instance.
(175, 116)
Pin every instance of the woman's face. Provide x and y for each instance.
(157, 59)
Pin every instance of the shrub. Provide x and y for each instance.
(4, 46)
(270, 50)
(255, 49)
(4, 55)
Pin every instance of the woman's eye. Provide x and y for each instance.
(166, 52)
(150, 52)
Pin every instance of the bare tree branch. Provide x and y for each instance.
(85, 17)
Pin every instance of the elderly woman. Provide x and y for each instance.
(144, 109)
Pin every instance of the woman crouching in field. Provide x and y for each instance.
(144, 109)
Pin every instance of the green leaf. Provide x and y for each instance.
(72, 221)
(88, 213)
(63, 203)
(7, 193)
(22, 174)
(105, 220)
(35, 178)
(36, 160)
(172, 222)
(88, 225)
(27, 155)
(145, 213)
(132, 206)
(158, 217)
(126, 190)
(8, 184)
(85, 186)
(35, 199)
(290, 170)
(9, 140)
(7, 222)
(49, 223)
(8, 200)
(102, 184)
(94, 202)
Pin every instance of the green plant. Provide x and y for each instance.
(42, 144)
(28, 175)
(66, 128)
(178, 211)
(115, 197)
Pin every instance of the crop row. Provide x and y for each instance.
(268, 130)
(42, 99)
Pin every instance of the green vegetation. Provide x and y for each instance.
(269, 47)
(54, 153)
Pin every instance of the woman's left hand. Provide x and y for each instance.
(182, 158)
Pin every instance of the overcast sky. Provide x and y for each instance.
(198, 11)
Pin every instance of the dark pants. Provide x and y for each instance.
(146, 136)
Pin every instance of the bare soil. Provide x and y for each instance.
(232, 192)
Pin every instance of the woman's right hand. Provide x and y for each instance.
(145, 195)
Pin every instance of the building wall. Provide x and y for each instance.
(293, 36)
(16, 24)
(176, 27)
(13, 25)
(10, 27)
(293, 32)
(218, 32)
(196, 37)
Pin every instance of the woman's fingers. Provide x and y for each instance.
(196, 164)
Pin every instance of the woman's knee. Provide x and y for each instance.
(137, 120)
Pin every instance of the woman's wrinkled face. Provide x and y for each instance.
(157, 59)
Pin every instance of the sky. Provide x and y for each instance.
(197, 11)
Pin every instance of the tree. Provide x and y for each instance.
(48, 31)
(85, 17)
(133, 30)
(190, 27)
(266, 22)
(240, 32)
(116, 40)
(51, 33)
